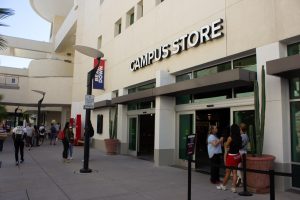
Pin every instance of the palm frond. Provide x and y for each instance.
(6, 12)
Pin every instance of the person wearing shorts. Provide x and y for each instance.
(233, 157)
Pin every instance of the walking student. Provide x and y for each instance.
(214, 153)
(53, 134)
(233, 157)
(29, 135)
(18, 138)
(66, 141)
(71, 142)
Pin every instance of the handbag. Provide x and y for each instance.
(61, 135)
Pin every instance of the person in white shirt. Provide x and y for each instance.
(29, 134)
(18, 136)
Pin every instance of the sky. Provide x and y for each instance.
(25, 23)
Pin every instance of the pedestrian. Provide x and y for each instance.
(233, 157)
(18, 138)
(29, 135)
(42, 132)
(65, 141)
(214, 153)
(243, 150)
(71, 142)
(53, 134)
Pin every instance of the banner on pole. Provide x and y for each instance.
(98, 80)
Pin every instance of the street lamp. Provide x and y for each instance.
(39, 106)
(94, 53)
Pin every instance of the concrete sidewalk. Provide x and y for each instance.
(44, 176)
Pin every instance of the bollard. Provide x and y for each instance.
(245, 192)
(272, 184)
(189, 176)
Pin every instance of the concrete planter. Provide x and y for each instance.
(259, 183)
(111, 146)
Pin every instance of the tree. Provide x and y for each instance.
(4, 12)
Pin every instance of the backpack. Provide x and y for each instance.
(61, 135)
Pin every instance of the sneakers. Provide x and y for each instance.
(233, 189)
(238, 182)
(221, 187)
(17, 163)
(22, 161)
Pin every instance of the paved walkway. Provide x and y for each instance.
(43, 176)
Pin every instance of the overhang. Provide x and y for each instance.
(284, 67)
(220, 81)
(102, 104)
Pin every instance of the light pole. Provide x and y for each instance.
(39, 106)
(94, 53)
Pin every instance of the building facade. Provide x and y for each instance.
(174, 68)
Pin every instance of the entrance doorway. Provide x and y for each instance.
(205, 119)
(146, 136)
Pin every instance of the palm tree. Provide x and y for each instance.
(4, 12)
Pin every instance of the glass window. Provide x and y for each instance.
(146, 87)
(295, 126)
(144, 105)
(185, 129)
(140, 9)
(132, 133)
(131, 18)
(293, 49)
(183, 99)
(248, 63)
(213, 96)
(99, 124)
(118, 27)
(247, 91)
(184, 77)
(212, 70)
(295, 88)
(132, 106)
(99, 42)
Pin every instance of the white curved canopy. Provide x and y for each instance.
(47, 9)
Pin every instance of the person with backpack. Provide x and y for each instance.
(42, 132)
(19, 134)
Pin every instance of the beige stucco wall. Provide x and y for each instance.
(247, 25)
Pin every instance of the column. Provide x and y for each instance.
(122, 125)
(277, 127)
(165, 115)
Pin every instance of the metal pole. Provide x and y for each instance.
(245, 192)
(189, 176)
(272, 184)
(87, 129)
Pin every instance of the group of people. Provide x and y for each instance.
(234, 146)
(28, 136)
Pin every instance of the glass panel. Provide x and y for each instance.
(131, 18)
(212, 70)
(185, 128)
(132, 133)
(184, 77)
(183, 99)
(293, 49)
(295, 126)
(246, 117)
(132, 106)
(296, 176)
(213, 96)
(145, 87)
(295, 88)
(131, 90)
(247, 91)
(144, 105)
(248, 63)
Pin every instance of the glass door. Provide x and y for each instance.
(132, 135)
(245, 114)
(186, 127)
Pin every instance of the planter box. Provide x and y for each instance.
(259, 183)
(111, 146)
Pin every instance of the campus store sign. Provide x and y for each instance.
(193, 39)
(98, 80)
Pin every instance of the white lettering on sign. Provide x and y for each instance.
(193, 39)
